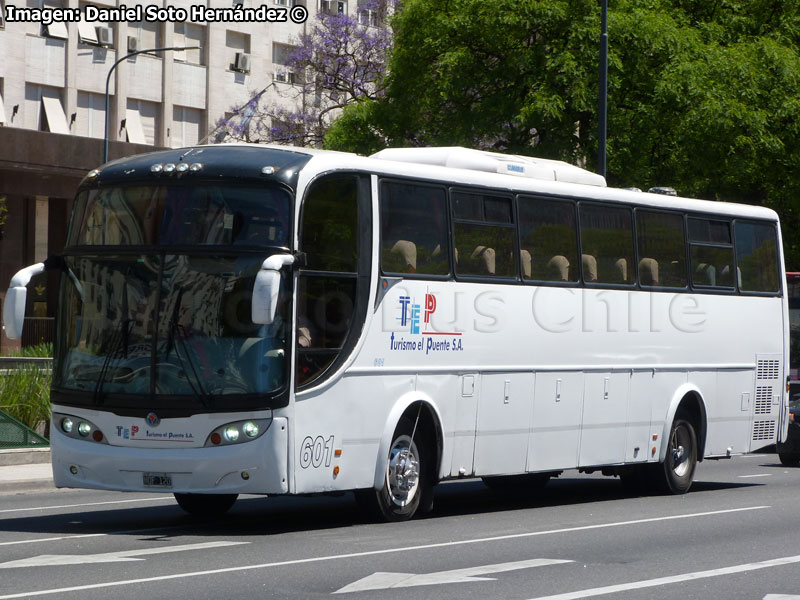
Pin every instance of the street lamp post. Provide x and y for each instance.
(108, 80)
(602, 110)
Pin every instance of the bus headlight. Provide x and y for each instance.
(78, 428)
(250, 429)
(238, 432)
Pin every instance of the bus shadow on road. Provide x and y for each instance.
(260, 516)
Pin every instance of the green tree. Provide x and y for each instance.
(702, 95)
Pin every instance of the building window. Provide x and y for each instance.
(141, 122)
(3, 120)
(238, 47)
(144, 34)
(44, 110)
(90, 119)
(187, 126)
(56, 29)
(333, 7)
(187, 35)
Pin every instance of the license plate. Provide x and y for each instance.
(159, 480)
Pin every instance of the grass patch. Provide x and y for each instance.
(25, 391)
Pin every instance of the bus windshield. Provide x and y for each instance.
(171, 319)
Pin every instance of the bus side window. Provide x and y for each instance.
(711, 253)
(757, 257)
(662, 249)
(607, 241)
(483, 235)
(548, 239)
(413, 229)
(327, 285)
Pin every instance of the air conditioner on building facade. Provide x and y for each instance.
(133, 44)
(242, 62)
(105, 36)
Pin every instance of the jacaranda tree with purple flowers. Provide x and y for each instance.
(340, 61)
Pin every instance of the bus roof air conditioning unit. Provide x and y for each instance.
(133, 44)
(105, 36)
(242, 62)
(493, 162)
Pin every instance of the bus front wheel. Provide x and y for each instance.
(206, 505)
(406, 481)
(676, 473)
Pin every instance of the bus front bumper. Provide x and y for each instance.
(257, 467)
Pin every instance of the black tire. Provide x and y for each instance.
(407, 486)
(206, 505)
(522, 482)
(789, 459)
(676, 473)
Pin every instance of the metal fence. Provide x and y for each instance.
(38, 330)
(14, 434)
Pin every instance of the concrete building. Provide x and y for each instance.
(53, 97)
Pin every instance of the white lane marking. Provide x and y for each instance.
(11, 510)
(301, 561)
(757, 475)
(384, 581)
(781, 597)
(49, 560)
(648, 583)
(91, 535)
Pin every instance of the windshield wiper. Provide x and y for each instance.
(119, 339)
(175, 328)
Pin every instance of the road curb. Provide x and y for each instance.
(24, 456)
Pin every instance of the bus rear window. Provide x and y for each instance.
(757, 257)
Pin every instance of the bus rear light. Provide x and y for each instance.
(157, 168)
(182, 167)
(238, 432)
(195, 167)
(97, 435)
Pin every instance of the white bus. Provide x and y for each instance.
(263, 320)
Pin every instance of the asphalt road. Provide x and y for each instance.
(735, 535)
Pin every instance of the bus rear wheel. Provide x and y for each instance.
(406, 484)
(676, 473)
(206, 505)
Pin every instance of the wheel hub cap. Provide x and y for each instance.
(403, 472)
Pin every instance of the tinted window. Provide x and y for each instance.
(757, 257)
(548, 239)
(606, 244)
(329, 232)
(328, 285)
(662, 249)
(711, 253)
(414, 229)
(182, 215)
(483, 235)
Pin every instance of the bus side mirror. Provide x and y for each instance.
(267, 287)
(14, 306)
